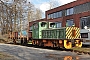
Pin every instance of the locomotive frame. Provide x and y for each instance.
(64, 42)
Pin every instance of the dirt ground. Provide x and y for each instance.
(17, 52)
(5, 56)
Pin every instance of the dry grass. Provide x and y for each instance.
(5, 56)
(4, 38)
(82, 49)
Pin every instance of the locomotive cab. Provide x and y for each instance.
(52, 25)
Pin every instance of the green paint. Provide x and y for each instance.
(37, 31)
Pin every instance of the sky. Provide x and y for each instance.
(43, 5)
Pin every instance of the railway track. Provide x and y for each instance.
(73, 50)
(79, 51)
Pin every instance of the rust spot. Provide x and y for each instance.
(68, 58)
(73, 33)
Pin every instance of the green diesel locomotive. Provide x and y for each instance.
(46, 34)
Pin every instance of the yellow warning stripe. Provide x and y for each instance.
(69, 32)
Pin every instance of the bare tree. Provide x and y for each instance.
(15, 14)
(33, 13)
(53, 4)
(38, 14)
(5, 17)
(30, 12)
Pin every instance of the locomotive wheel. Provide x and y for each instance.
(25, 42)
(67, 44)
(14, 41)
(33, 42)
(78, 43)
(21, 42)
